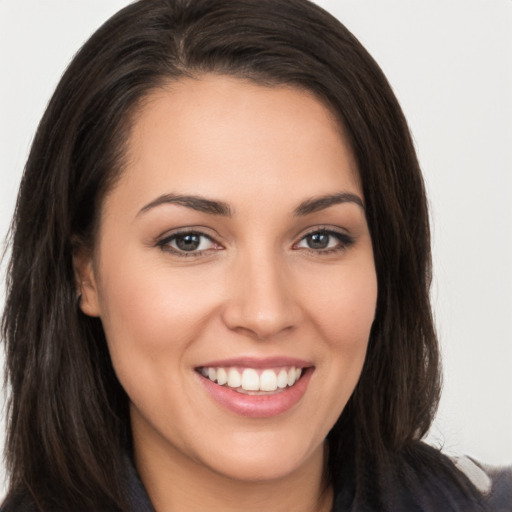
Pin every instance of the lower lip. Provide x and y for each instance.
(258, 406)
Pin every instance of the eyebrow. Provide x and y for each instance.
(317, 204)
(198, 203)
(221, 208)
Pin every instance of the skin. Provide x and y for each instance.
(255, 289)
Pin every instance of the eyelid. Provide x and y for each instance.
(345, 239)
(163, 242)
(323, 228)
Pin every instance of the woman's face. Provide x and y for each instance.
(232, 256)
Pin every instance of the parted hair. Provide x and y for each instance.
(68, 426)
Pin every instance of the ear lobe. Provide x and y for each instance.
(86, 284)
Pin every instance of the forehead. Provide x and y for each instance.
(197, 135)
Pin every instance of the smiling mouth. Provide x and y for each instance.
(252, 381)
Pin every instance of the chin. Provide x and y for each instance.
(264, 461)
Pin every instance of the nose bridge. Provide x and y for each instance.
(262, 302)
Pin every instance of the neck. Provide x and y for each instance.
(175, 482)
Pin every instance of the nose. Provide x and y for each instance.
(262, 302)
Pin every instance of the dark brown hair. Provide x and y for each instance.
(68, 425)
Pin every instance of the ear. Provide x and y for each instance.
(86, 282)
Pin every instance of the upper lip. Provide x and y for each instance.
(258, 362)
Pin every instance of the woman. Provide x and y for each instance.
(218, 291)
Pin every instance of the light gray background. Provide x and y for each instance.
(450, 63)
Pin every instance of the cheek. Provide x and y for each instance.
(344, 315)
(151, 318)
(343, 306)
(148, 311)
(342, 312)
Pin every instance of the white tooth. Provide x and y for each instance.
(282, 379)
(268, 380)
(250, 380)
(234, 379)
(212, 374)
(204, 371)
(222, 376)
(291, 376)
(298, 373)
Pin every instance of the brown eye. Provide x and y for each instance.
(187, 242)
(325, 241)
(318, 240)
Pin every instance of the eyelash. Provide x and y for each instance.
(344, 242)
(164, 244)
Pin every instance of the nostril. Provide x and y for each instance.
(260, 324)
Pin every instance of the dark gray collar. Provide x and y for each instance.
(137, 496)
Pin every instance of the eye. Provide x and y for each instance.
(189, 242)
(325, 241)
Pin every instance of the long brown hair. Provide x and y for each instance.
(68, 425)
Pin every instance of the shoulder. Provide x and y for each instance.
(495, 483)
(422, 479)
(136, 497)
